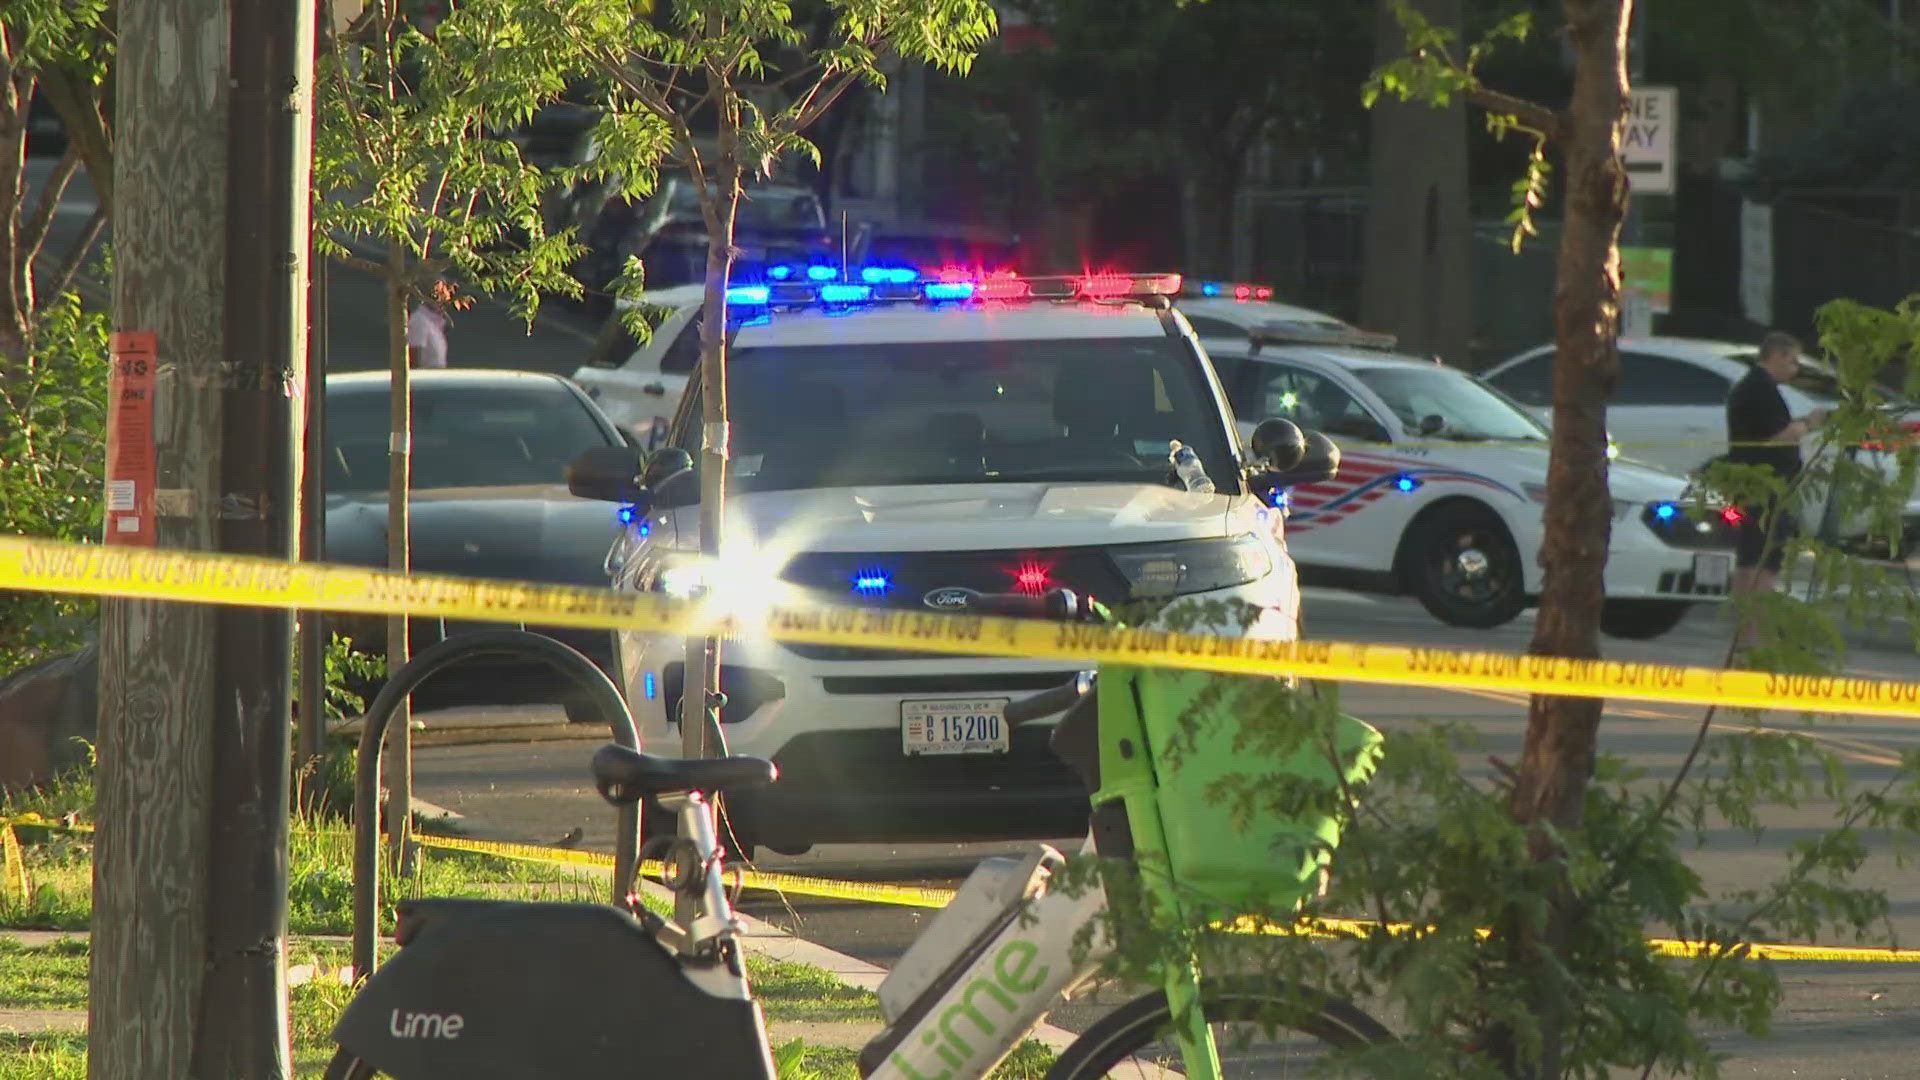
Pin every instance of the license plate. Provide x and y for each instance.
(954, 726)
(1712, 571)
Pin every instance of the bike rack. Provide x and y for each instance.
(366, 795)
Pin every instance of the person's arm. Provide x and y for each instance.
(1799, 429)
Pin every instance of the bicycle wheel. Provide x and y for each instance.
(1262, 1029)
(345, 1066)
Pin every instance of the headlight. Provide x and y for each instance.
(1622, 508)
(1193, 566)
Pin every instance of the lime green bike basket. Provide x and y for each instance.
(1245, 857)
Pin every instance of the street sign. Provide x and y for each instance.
(1647, 145)
(1648, 272)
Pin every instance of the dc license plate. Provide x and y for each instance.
(1712, 571)
(954, 726)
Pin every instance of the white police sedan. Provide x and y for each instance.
(1442, 485)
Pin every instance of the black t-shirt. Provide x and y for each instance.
(1756, 412)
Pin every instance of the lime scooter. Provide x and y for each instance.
(483, 988)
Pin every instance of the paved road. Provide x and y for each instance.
(1867, 1018)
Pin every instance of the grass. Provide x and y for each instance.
(54, 976)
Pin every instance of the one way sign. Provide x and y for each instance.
(1647, 145)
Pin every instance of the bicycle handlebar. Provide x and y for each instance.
(1047, 702)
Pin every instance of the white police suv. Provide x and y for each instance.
(911, 441)
(1443, 483)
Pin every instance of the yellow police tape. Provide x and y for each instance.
(921, 897)
(14, 886)
(52, 566)
(912, 896)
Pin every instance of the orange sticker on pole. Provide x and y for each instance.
(130, 463)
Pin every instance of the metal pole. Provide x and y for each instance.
(1632, 229)
(313, 522)
(269, 131)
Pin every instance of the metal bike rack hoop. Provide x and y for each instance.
(366, 781)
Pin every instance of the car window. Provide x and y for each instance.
(463, 436)
(1206, 327)
(1529, 382)
(1069, 411)
(1309, 399)
(1467, 411)
(683, 356)
(1817, 380)
(1647, 379)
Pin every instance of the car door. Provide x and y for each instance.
(1320, 522)
(1668, 412)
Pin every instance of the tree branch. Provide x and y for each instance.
(1548, 124)
(79, 110)
(76, 257)
(34, 233)
(809, 108)
(365, 266)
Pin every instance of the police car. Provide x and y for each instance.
(911, 441)
(1442, 485)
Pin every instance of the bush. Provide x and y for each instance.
(53, 416)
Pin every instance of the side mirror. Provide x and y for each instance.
(607, 474)
(670, 479)
(1279, 444)
(1320, 463)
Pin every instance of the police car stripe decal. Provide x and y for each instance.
(1363, 482)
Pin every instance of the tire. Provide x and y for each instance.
(1463, 567)
(1640, 620)
(1132, 1030)
(345, 1066)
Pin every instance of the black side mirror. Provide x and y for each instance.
(670, 478)
(1278, 444)
(607, 474)
(1320, 463)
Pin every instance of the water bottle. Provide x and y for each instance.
(1186, 464)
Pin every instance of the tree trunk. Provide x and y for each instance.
(1418, 267)
(16, 287)
(154, 810)
(268, 181)
(398, 768)
(1557, 763)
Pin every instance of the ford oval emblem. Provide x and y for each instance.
(951, 598)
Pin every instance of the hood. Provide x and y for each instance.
(967, 517)
(533, 533)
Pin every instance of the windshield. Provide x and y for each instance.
(463, 436)
(1467, 410)
(1088, 410)
(760, 208)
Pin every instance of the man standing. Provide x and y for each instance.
(427, 329)
(1761, 432)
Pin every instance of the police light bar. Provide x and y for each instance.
(790, 286)
(1287, 332)
(1229, 290)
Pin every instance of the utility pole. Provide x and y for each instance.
(188, 972)
(269, 178)
(154, 787)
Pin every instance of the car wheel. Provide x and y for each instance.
(1639, 620)
(1463, 566)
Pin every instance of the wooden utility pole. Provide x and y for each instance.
(244, 1010)
(154, 787)
(190, 862)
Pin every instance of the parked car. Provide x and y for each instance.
(1443, 483)
(639, 383)
(1669, 409)
(913, 444)
(487, 497)
(1228, 309)
(775, 223)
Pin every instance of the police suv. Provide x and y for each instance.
(913, 441)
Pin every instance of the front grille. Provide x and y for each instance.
(912, 575)
(1684, 528)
